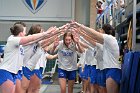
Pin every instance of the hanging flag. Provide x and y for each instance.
(129, 36)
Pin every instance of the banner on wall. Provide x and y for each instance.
(37, 10)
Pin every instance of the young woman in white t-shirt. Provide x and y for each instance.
(33, 52)
(111, 65)
(100, 78)
(90, 64)
(98, 73)
(13, 56)
(67, 60)
(36, 77)
(18, 77)
(30, 51)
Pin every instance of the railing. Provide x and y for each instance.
(104, 12)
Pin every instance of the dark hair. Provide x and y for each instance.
(22, 23)
(16, 29)
(35, 29)
(67, 34)
(108, 29)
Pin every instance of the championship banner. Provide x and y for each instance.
(37, 10)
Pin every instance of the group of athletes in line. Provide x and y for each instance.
(25, 57)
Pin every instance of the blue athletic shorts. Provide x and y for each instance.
(38, 72)
(6, 75)
(101, 78)
(93, 74)
(70, 75)
(85, 73)
(81, 73)
(98, 76)
(27, 72)
(19, 75)
(114, 73)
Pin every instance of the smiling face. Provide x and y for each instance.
(67, 39)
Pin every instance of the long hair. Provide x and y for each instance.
(34, 29)
(67, 34)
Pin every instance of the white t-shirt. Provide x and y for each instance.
(42, 61)
(86, 42)
(90, 56)
(110, 52)
(89, 53)
(67, 57)
(13, 55)
(34, 59)
(82, 59)
(99, 56)
(29, 52)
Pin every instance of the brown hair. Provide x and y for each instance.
(22, 23)
(16, 29)
(35, 29)
(108, 29)
(67, 34)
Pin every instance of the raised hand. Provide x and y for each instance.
(75, 37)
(56, 42)
(75, 30)
(76, 24)
(66, 26)
(51, 30)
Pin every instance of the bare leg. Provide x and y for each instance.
(70, 86)
(82, 89)
(102, 89)
(112, 86)
(62, 82)
(94, 88)
(85, 85)
(35, 84)
(18, 86)
(24, 84)
(88, 86)
(7, 87)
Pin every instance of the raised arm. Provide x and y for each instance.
(88, 41)
(87, 38)
(44, 43)
(79, 48)
(35, 37)
(26, 39)
(55, 46)
(91, 32)
(84, 45)
(52, 31)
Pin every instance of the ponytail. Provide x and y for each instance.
(16, 29)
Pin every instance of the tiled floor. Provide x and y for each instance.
(56, 89)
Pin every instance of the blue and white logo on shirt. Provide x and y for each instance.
(67, 53)
(34, 49)
(21, 50)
